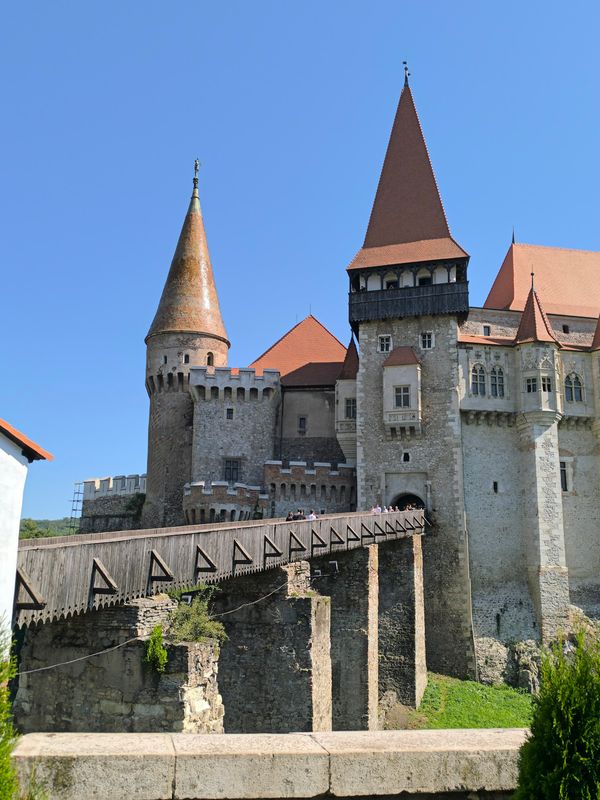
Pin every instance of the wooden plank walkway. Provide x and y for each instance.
(61, 576)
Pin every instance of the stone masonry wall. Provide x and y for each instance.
(116, 691)
(118, 513)
(434, 459)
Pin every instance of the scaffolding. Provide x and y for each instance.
(76, 504)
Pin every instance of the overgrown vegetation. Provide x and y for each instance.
(193, 623)
(155, 654)
(8, 778)
(36, 528)
(561, 759)
(452, 703)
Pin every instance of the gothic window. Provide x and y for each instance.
(351, 408)
(427, 340)
(573, 389)
(478, 380)
(402, 396)
(546, 384)
(497, 382)
(232, 470)
(425, 280)
(531, 385)
(210, 359)
(384, 344)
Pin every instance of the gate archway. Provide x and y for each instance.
(404, 499)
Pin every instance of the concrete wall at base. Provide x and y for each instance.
(456, 764)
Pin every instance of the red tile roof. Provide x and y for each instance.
(407, 222)
(316, 374)
(189, 301)
(568, 280)
(534, 325)
(400, 357)
(31, 450)
(307, 344)
(469, 338)
(349, 369)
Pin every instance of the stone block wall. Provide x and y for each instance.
(327, 490)
(120, 512)
(223, 502)
(116, 691)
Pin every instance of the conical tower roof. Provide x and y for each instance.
(534, 325)
(189, 302)
(349, 369)
(596, 342)
(407, 222)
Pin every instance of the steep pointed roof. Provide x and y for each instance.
(568, 280)
(407, 222)
(306, 349)
(534, 325)
(349, 369)
(596, 340)
(189, 301)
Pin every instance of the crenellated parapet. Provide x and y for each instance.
(221, 501)
(112, 486)
(319, 486)
(223, 383)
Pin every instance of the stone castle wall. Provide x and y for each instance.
(434, 465)
(326, 490)
(116, 691)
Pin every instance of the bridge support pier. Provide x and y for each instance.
(402, 667)
(275, 668)
(353, 590)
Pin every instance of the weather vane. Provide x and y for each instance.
(196, 168)
(406, 73)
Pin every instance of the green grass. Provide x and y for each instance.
(451, 703)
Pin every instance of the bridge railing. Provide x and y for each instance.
(61, 576)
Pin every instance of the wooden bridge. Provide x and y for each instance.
(62, 576)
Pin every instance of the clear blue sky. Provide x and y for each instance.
(289, 107)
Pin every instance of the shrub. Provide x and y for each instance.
(561, 759)
(8, 778)
(156, 654)
(192, 623)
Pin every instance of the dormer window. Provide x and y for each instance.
(384, 344)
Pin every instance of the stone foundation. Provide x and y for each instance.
(116, 691)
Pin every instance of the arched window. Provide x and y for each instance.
(478, 380)
(497, 382)
(210, 360)
(573, 388)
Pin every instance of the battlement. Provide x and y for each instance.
(224, 383)
(299, 470)
(214, 501)
(321, 486)
(112, 486)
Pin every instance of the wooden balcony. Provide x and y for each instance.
(410, 301)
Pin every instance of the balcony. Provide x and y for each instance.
(408, 420)
(410, 301)
(345, 426)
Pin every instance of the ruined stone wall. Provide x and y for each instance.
(435, 463)
(275, 668)
(116, 691)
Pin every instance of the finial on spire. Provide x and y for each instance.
(406, 73)
(532, 284)
(196, 168)
(513, 236)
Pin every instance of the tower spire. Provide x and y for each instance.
(535, 325)
(189, 302)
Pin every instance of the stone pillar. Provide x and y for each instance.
(543, 521)
(353, 590)
(275, 668)
(402, 667)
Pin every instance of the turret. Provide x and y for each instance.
(187, 331)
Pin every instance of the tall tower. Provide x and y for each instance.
(186, 332)
(408, 294)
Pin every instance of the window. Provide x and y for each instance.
(531, 385)
(186, 358)
(425, 281)
(565, 328)
(351, 408)
(497, 382)
(210, 359)
(478, 380)
(402, 396)
(302, 425)
(495, 487)
(427, 340)
(391, 284)
(164, 359)
(546, 384)
(573, 389)
(384, 344)
(487, 331)
(229, 413)
(406, 457)
(232, 470)
(564, 483)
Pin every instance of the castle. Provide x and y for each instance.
(488, 417)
